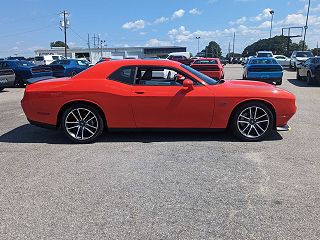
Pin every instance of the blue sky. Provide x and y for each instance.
(26, 25)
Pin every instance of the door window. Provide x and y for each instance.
(160, 76)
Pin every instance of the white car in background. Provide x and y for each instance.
(7, 78)
(282, 60)
(264, 54)
(47, 59)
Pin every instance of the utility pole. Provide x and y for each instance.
(103, 42)
(229, 49)
(198, 38)
(65, 24)
(306, 27)
(272, 14)
(234, 42)
(88, 41)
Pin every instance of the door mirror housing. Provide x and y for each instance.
(187, 83)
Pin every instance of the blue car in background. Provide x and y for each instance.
(25, 70)
(263, 69)
(68, 67)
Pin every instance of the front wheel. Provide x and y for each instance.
(82, 123)
(298, 75)
(252, 122)
(73, 73)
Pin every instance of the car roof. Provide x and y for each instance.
(128, 62)
(264, 51)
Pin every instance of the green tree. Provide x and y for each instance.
(316, 51)
(301, 45)
(277, 44)
(57, 44)
(213, 50)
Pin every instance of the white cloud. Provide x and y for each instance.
(178, 14)
(195, 11)
(157, 43)
(263, 15)
(139, 24)
(241, 20)
(161, 20)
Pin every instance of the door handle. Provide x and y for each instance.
(139, 92)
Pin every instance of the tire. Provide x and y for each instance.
(252, 129)
(309, 79)
(294, 66)
(82, 123)
(73, 73)
(298, 75)
(244, 77)
(1, 89)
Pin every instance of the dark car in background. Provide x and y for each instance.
(25, 70)
(263, 69)
(309, 70)
(68, 67)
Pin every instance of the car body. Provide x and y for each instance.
(211, 67)
(282, 60)
(299, 57)
(263, 69)
(309, 70)
(24, 70)
(68, 67)
(264, 54)
(154, 94)
(7, 78)
(47, 59)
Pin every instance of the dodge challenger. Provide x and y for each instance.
(155, 94)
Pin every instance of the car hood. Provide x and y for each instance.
(248, 84)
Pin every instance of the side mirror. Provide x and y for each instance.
(187, 83)
(180, 77)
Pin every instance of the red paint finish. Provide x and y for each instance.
(211, 67)
(190, 105)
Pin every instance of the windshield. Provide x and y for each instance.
(304, 54)
(206, 62)
(264, 55)
(203, 77)
(263, 61)
(24, 64)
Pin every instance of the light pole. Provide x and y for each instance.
(306, 27)
(103, 42)
(272, 14)
(198, 38)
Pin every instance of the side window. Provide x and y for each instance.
(160, 76)
(124, 75)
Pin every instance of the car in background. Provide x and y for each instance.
(68, 67)
(211, 67)
(263, 69)
(141, 94)
(246, 60)
(282, 60)
(25, 70)
(264, 54)
(181, 59)
(104, 59)
(7, 78)
(16, 58)
(299, 57)
(309, 70)
(47, 59)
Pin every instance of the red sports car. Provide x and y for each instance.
(155, 94)
(211, 67)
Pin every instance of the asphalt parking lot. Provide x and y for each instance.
(161, 185)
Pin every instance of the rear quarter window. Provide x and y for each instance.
(124, 75)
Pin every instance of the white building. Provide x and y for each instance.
(94, 54)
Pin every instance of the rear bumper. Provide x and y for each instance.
(7, 82)
(265, 76)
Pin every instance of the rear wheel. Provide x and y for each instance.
(73, 73)
(82, 123)
(252, 122)
(279, 82)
